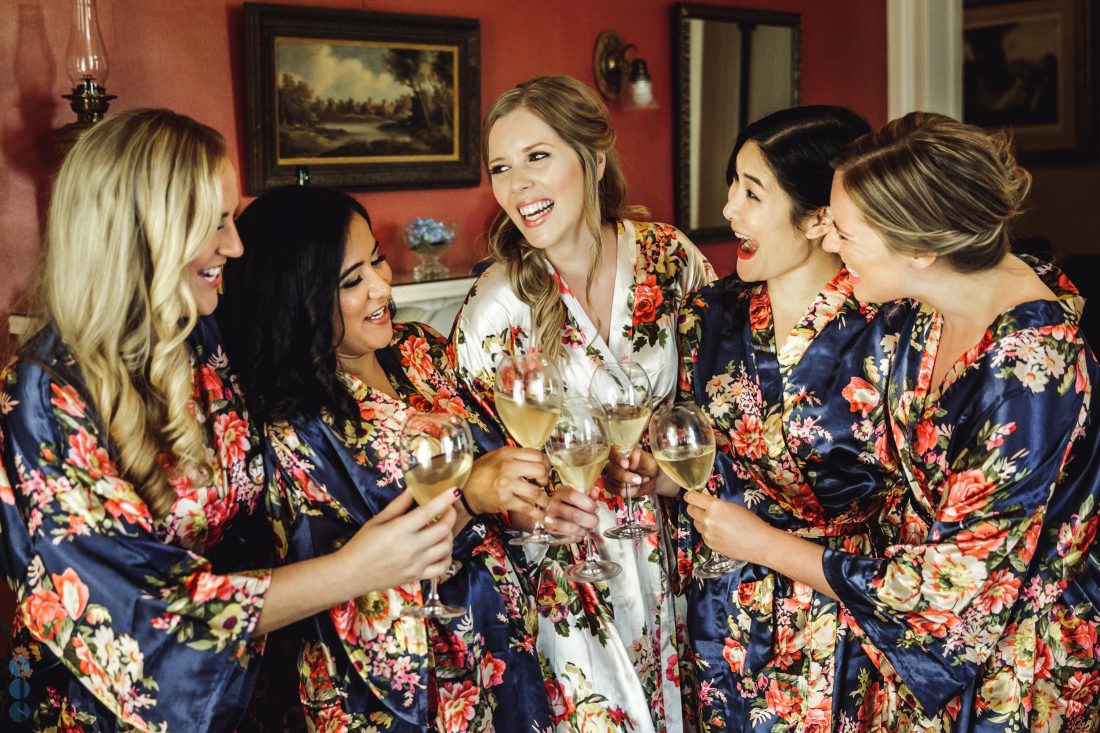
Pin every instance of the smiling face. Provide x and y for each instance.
(538, 180)
(769, 244)
(364, 313)
(880, 272)
(205, 271)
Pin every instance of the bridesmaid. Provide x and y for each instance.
(330, 378)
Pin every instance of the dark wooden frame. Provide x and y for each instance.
(1073, 138)
(682, 13)
(265, 22)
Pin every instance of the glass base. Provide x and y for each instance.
(630, 531)
(589, 571)
(433, 611)
(430, 268)
(716, 567)
(539, 536)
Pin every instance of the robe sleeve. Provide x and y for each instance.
(318, 508)
(936, 610)
(148, 627)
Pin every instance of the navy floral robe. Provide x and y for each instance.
(802, 442)
(122, 621)
(984, 613)
(363, 666)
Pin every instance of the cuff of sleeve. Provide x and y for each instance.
(924, 672)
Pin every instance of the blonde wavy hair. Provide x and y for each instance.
(137, 199)
(580, 118)
(933, 185)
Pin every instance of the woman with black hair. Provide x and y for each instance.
(789, 367)
(306, 319)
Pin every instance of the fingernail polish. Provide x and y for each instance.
(458, 491)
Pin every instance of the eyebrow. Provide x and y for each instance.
(756, 180)
(351, 269)
(526, 149)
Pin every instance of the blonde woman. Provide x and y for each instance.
(576, 277)
(130, 528)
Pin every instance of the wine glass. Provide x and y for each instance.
(682, 441)
(622, 389)
(578, 449)
(437, 454)
(528, 394)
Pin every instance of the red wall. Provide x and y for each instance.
(187, 55)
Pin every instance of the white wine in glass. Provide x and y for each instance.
(578, 451)
(682, 441)
(528, 392)
(623, 390)
(437, 454)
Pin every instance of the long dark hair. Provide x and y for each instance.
(277, 312)
(798, 145)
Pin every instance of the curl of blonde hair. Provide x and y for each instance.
(575, 112)
(138, 199)
(933, 185)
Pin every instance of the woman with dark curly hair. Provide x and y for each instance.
(331, 379)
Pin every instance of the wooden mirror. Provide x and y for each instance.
(732, 66)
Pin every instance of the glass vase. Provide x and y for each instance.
(430, 268)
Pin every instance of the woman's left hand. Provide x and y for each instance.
(728, 528)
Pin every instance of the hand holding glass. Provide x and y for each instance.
(682, 441)
(578, 449)
(437, 454)
(622, 389)
(528, 394)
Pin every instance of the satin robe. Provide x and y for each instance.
(124, 621)
(984, 613)
(802, 442)
(612, 648)
(363, 666)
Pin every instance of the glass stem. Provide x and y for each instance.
(591, 554)
(433, 593)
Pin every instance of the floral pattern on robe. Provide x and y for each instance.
(611, 649)
(802, 442)
(984, 613)
(124, 621)
(363, 666)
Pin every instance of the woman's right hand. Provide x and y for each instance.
(509, 479)
(637, 474)
(572, 513)
(398, 546)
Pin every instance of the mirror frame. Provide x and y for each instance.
(682, 14)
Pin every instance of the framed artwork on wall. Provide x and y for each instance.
(1030, 67)
(361, 100)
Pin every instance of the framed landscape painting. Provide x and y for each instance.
(361, 100)
(1029, 66)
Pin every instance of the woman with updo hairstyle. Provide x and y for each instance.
(985, 612)
(579, 277)
(131, 522)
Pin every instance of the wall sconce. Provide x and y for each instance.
(86, 65)
(609, 63)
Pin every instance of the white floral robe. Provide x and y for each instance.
(610, 650)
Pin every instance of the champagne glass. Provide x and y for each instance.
(578, 450)
(622, 389)
(528, 394)
(437, 454)
(682, 441)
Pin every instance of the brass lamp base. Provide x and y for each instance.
(90, 101)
